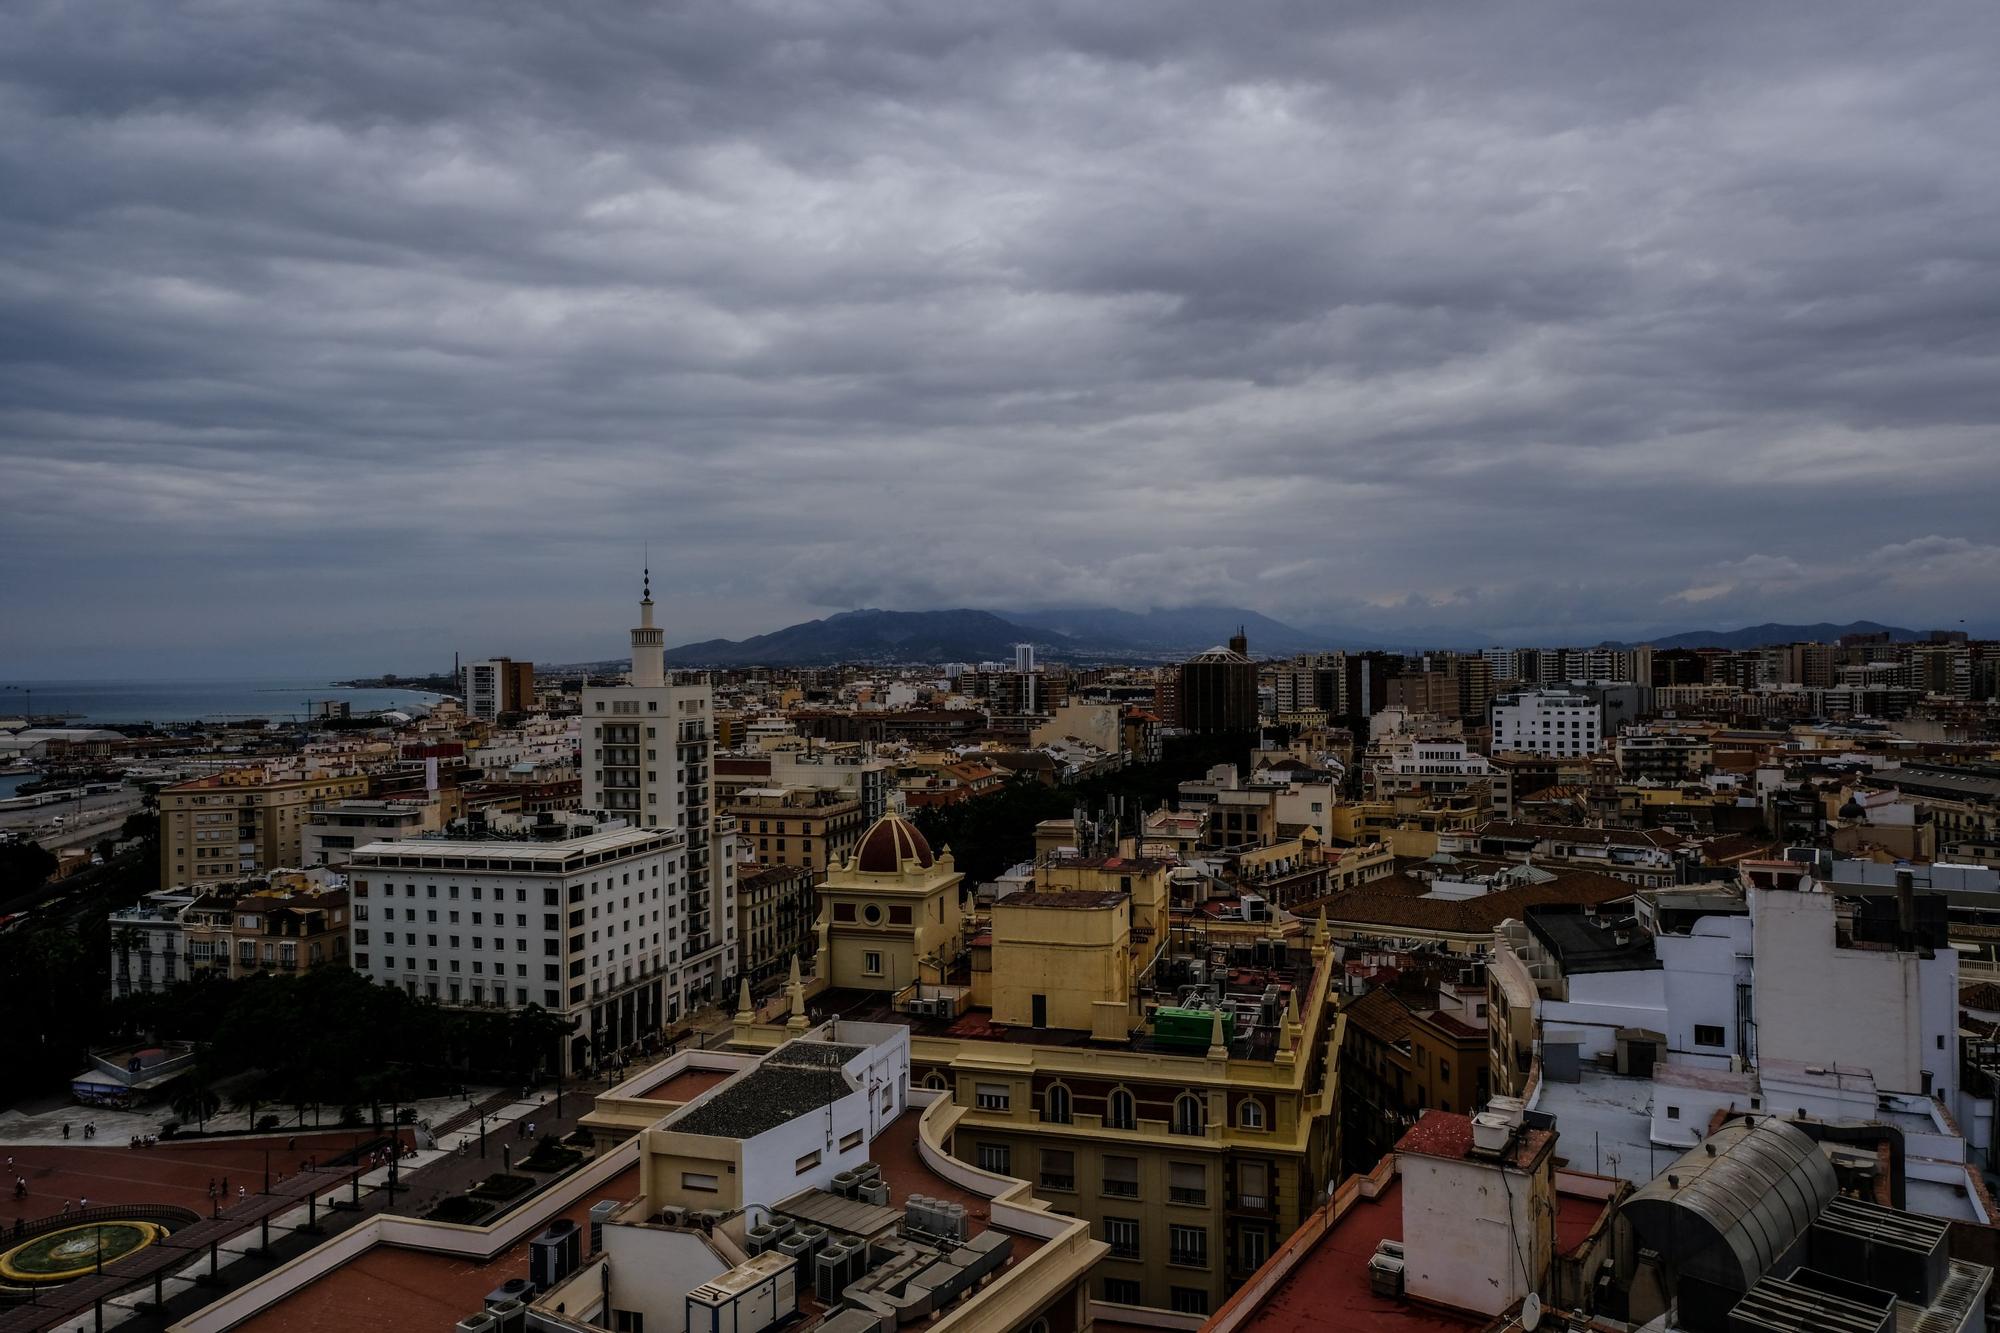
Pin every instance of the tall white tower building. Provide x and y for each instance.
(646, 756)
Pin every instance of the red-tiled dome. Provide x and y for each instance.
(890, 841)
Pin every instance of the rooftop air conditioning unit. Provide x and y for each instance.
(1385, 1274)
(1490, 1133)
(875, 1192)
(509, 1316)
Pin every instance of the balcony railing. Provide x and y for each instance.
(1121, 1189)
(1182, 1194)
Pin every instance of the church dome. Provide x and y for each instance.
(888, 843)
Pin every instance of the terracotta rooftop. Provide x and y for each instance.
(1328, 1285)
(1397, 901)
(390, 1290)
(686, 1085)
(1448, 1135)
(895, 1151)
(1064, 898)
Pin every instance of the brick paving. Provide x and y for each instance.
(178, 1173)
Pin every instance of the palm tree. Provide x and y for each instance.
(194, 1100)
(125, 940)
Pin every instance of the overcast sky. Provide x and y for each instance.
(348, 334)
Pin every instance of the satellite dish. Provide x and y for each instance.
(1531, 1312)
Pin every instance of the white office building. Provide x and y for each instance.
(646, 757)
(588, 926)
(1553, 722)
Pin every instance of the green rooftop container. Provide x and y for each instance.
(1190, 1027)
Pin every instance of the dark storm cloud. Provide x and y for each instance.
(399, 327)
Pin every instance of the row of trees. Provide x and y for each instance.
(988, 834)
(330, 1037)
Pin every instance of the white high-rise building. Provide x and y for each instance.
(645, 757)
(1552, 722)
(587, 925)
(1024, 667)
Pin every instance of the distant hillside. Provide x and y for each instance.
(868, 636)
(1757, 636)
(1168, 632)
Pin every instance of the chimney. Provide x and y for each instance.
(1906, 910)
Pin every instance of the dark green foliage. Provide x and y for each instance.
(24, 865)
(460, 1210)
(996, 831)
(500, 1185)
(329, 1037)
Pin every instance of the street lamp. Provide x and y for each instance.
(482, 1135)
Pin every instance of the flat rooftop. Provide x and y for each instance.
(1328, 1287)
(386, 1289)
(686, 1085)
(797, 1078)
(895, 1151)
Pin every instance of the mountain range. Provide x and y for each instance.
(1107, 633)
(1756, 636)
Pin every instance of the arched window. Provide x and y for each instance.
(1056, 1105)
(935, 1080)
(1188, 1118)
(1120, 1112)
(1250, 1113)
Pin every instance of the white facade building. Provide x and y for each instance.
(1553, 722)
(646, 758)
(335, 829)
(589, 927)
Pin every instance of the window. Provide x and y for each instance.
(1187, 1246)
(1122, 1235)
(1706, 1034)
(991, 1096)
(997, 1158)
(805, 1164)
(1187, 1182)
(1253, 1185)
(849, 1142)
(1121, 1177)
(1121, 1290)
(1250, 1113)
(700, 1182)
(1673, 1113)
(1120, 1111)
(627, 1321)
(1188, 1300)
(1188, 1117)
(1056, 1105)
(1058, 1169)
(871, 963)
(1253, 1247)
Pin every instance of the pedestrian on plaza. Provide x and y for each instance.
(242, 1191)
(82, 1204)
(65, 1129)
(66, 1207)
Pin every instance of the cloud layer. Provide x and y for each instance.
(349, 334)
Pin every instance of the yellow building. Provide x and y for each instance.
(1174, 1088)
(891, 911)
(240, 821)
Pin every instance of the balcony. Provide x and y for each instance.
(1121, 1189)
(1185, 1258)
(1178, 1194)
(1065, 1183)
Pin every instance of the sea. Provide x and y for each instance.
(83, 703)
